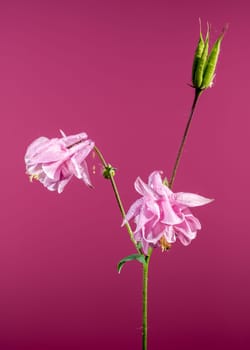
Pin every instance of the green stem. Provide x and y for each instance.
(146, 265)
(117, 196)
(145, 302)
(177, 161)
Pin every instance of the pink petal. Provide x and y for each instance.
(193, 222)
(50, 152)
(155, 233)
(77, 160)
(170, 217)
(144, 217)
(85, 174)
(81, 149)
(184, 230)
(62, 184)
(170, 234)
(155, 182)
(53, 170)
(48, 183)
(191, 199)
(133, 210)
(70, 141)
(145, 246)
(143, 188)
(35, 147)
(184, 239)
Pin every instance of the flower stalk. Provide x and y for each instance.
(145, 302)
(109, 170)
(170, 185)
(183, 141)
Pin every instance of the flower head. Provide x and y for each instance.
(161, 216)
(54, 161)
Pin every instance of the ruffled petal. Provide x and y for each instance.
(184, 232)
(145, 245)
(155, 182)
(144, 189)
(143, 218)
(184, 239)
(62, 184)
(155, 232)
(169, 217)
(35, 148)
(85, 174)
(169, 234)
(78, 165)
(53, 170)
(193, 222)
(51, 152)
(133, 210)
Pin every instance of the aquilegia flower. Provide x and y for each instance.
(161, 216)
(55, 161)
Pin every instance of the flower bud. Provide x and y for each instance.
(108, 172)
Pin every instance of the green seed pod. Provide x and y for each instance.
(198, 76)
(211, 64)
(198, 53)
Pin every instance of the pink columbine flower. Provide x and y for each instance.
(54, 161)
(161, 216)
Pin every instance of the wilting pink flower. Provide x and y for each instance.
(54, 161)
(161, 216)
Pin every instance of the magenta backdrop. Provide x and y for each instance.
(119, 71)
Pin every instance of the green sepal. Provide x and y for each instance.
(165, 182)
(138, 257)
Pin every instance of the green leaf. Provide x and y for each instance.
(138, 257)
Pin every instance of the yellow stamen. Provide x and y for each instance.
(33, 176)
(164, 244)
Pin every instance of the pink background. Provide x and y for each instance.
(119, 71)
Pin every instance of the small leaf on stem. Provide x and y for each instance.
(138, 257)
